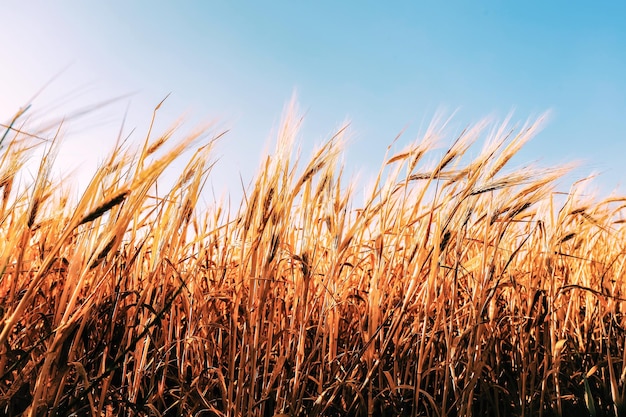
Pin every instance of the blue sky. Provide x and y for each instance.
(384, 66)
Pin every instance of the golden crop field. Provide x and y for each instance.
(459, 287)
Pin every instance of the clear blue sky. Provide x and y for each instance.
(384, 66)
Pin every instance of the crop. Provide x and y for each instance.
(458, 287)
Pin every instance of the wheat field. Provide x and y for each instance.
(459, 286)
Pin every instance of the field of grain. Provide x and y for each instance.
(458, 287)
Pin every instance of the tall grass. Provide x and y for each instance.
(457, 288)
